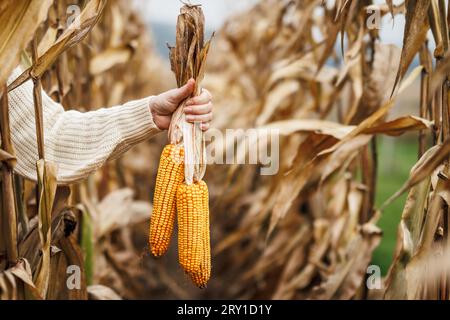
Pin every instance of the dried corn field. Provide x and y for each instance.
(318, 73)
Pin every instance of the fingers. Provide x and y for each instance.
(199, 109)
(199, 118)
(205, 126)
(204, 98)
(203, 119)
(178, 95)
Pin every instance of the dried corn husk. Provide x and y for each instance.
(188, 60)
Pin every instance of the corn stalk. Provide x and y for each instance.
(9, 222)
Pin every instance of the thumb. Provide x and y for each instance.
(178, 95)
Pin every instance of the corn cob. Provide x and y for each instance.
(170, 175)
(200, 279)
(190, 241)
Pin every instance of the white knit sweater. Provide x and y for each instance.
(78, 142)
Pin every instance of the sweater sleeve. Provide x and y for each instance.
(78, 142)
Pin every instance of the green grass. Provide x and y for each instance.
(396, 156)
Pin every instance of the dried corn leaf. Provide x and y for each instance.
(416, 29)
(18, 23)
(423, 168)
(17, 283)
(188, 60)
(110, 58)
(47, 185)
(75, 33)
(100, 292)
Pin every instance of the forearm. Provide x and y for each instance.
(78, 142)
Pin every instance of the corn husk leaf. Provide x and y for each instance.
(188, 60)
(75, 33)
(19, 21)
(47, 172)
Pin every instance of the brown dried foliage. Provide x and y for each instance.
(307, 232)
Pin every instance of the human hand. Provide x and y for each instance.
(197, 109)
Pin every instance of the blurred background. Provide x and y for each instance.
(161, 16)
(309, 231)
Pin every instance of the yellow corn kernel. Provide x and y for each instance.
(190, 225)
(170, 175)
(201, 279)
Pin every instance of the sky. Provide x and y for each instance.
(392, 31)
(216, 11)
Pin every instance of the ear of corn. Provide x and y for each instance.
(170, 176)
(191, 203)
(193, 232)
(190, 226)
(201, 278)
